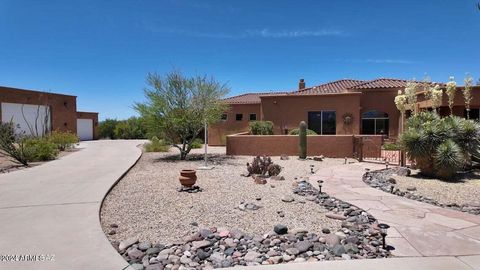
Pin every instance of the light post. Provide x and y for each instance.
(320, 182)
(205, 145)
(383, 232)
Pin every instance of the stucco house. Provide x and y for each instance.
(342, 107)
(35, 111)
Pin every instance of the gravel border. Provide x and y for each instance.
(386, 180)
(244, 230)
(207, 248)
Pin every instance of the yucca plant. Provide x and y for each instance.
(440, 146)
(448, 159)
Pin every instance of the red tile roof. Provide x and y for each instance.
(381, 83)
(328, 88)
(339, 86)
(249, 98)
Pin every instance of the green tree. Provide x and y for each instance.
(106, 128)
(177, 107)
(132, 128)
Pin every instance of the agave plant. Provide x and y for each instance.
(440, 146)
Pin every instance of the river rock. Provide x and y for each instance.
(251, 256)
(280, 229)
(288, 198)
(335, 216)
(303, 246)
(200, 244)
(127, 243)
(332, 239)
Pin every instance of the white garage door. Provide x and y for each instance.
(31, 119)
(85, 129)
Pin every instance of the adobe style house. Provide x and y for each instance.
(35, 111)
(342, 107)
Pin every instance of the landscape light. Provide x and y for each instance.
(383, 232)
(320, 182)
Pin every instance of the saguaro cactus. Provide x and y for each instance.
(302, 136)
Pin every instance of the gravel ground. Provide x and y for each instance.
(464, 191)
(146, 202)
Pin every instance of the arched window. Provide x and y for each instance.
(375, 123)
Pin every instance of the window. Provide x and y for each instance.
(239, 117)
(224, 117)
(474, 114)
(375, 123)
(253, 117)
(323, 122)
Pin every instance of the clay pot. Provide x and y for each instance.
(188, 178)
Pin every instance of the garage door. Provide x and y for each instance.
(32, 119)
(85, 129)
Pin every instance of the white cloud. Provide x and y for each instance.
(378, 61)
(389, 61)
(262, 33)
(266, 33)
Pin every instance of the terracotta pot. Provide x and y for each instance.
(188, 178)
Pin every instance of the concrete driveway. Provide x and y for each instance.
(50, 214)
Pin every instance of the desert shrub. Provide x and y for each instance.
(132, 128)
(106, 128)
(274, 169)
(156, 145)
(12, 143)
(261, 127)
(391, 146)
(196, 143)
(63, 140)
(296, 131)
(262, 166)
(40, 149)
(440, 147)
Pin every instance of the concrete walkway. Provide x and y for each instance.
(53, 209)
(417, 229)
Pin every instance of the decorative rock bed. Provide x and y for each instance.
(358, 238)
(383, 180)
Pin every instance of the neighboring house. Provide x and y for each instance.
(38, 113)
(342, 107)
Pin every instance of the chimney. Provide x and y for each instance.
(301, 84)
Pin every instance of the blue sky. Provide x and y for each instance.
(102, 50)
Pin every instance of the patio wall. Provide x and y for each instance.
(275, 145)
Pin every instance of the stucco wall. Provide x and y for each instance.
(338, 146)
(63, 107)
(286, 112)
(382, 100)
(217, 133)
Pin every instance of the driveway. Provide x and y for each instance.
(52, 210)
